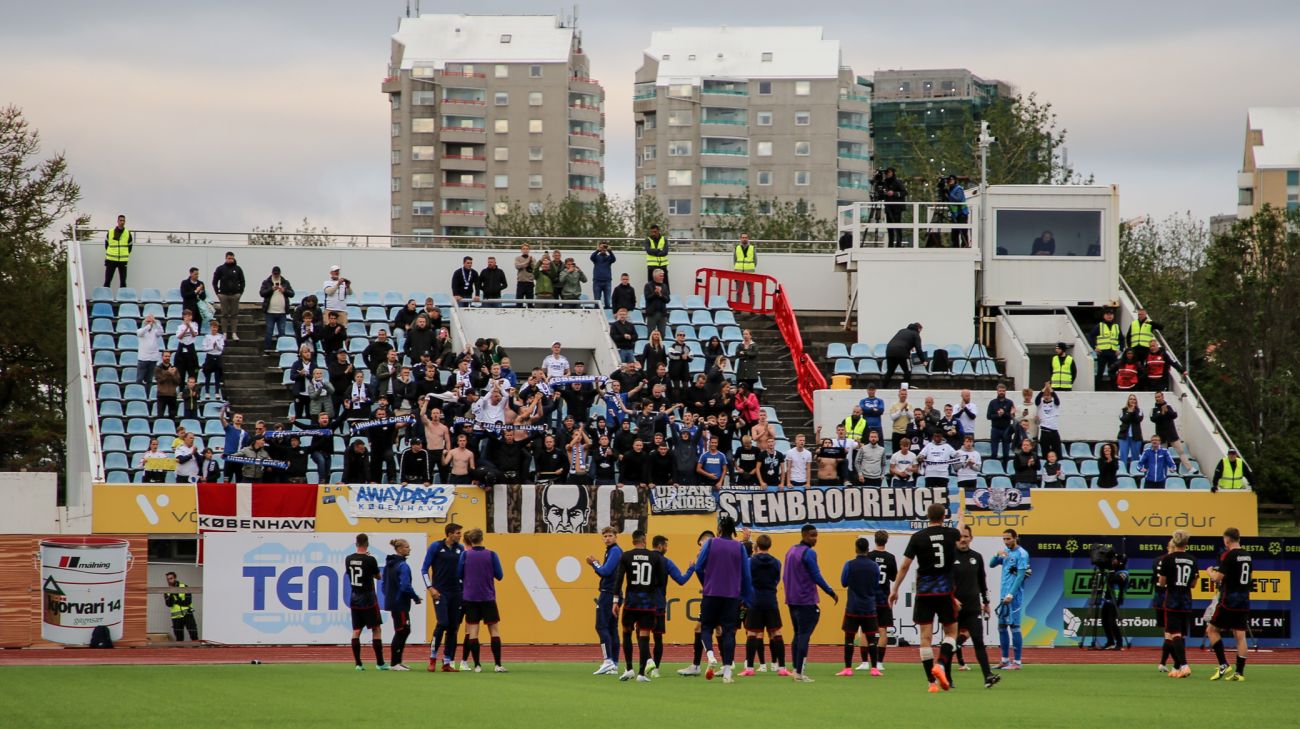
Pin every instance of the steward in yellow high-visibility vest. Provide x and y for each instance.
(1232, 473)
(1141, 332)
(745, 260)
(117, 252)
(1063, 369)
(656, 255)
(855, 426)
(181, 605)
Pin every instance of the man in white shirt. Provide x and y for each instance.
(555, 364)
(969, 462)
(148, 350)
(337, 289)
(797, 461)
(187, 464)
(966, 414)
(902, 465)
(492, 409)
(937, 457)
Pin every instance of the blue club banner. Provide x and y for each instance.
(837, 508)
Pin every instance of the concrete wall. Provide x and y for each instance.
(897, 286)
(1040, 332)
(528, 334)
(159, 619)
(810, 279)
(31, 503)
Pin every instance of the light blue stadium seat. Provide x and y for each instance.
(172, 296)
(356, 328)
(701, 317)
(977, 351)
(678, 318)
(151, 296)
(128, 310)
(778, 431)
(642, 332)
(102, 325)
(868, 367)
(394, 298)
(984, 448)
(118, 477)
(771, 414)
(371, 298)
(140, 443)
(110, 408)
(860, 350)
(138, 409)
(1080, 450)
(1123, 468)
(688, 329)
(377, 327)
(440, 299)
(174, 311)
(154, 308)
(992, 468)
(116, 461)
(164, 428)
(1175, 483)
(127, 326)
(719, 303)
(114, 444)
(1068, 468)
(732, 334)
(126, 294)
(376, 314)
(106, 374)
(724, 318)
(210, 410)
(962, 368)
(101, 293)
(109, 391)
(695, 302)
(986, 367)
(105, 358)
(127, 359)
(1076, 482)
(696, 366)
(286, 344)
(138, 426)
(782, 446)
(103, 341)
(102, 310)
(191, 425)
(1127, 482)
(636, 317)
(358, 362)
(213, 429)
(135, 392)
(845, 367)
(128, 373)
(1200, 483)
(675, 302)
(878, 351)
(708, 331)
(111, 426)
(336, 462)
(697, 349)
(837, 350)
(127, 342)
(1000, 482)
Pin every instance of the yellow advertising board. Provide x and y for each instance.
(1131, 513)
(1264, 585)
(332, 514)
(143, 508)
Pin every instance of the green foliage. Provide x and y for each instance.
(34, 196)
(771, 220)
(306, 235)
(567, 218)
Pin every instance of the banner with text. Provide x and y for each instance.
(837, 508)
(401, 501)
(334, 513)
(565, 509)
(1132, 512)
(683, 499)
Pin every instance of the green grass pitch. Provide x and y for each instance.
(566, 695)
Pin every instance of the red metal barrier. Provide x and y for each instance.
(757, 293)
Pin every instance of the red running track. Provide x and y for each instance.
(674, 655)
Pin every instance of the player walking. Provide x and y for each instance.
(660, 545)
(1233, 610)
(723, 566)
(698, 646)
(1158, 604)
(479, 571)
(765, 614)
(933, 548)
(398, 596)
(1176, 575)
(972, 591)
(801, 579)
(1015, 565)
(606, 621)
(861, 580)
(439, 570)
(641, 577)
(363, 570)
(874, 653)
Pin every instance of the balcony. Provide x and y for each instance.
(463, 163)
(463, 191)
(724, 92)
(645, 96)
(855, 127)
(460, 74)
(583, 81)
(585, 189)
(732, 149)
(476, 215)
(391, 84)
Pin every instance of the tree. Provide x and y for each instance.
(306, 235)
(1164, 259)
(34, 195)
(767, 219)
(1030, 148)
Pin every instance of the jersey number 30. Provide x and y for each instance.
(641, 573)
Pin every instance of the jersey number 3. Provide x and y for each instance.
(938, 556)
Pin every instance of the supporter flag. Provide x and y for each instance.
(249, 507)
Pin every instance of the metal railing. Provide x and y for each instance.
(920, 224)
(89, 402)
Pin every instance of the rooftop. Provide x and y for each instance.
(1279, 135)
(687, 55)
(435, 40)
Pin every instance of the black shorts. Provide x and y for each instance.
(884, 616)
(484, 611)
(661, 622)
(1225, 619)
(970, 622)
(720, 612)
(638, 619)
(1178, 621)
(865, 623)
(827, 482)
(366, 617)
(763, 619)
(929, 607)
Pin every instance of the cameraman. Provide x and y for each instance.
(1113, 571)
(960, 214)
(337, 289)
(877, 195)
(894, 195)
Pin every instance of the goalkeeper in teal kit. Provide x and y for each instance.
(1015, 568)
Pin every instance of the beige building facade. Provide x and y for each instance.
(1270, 167)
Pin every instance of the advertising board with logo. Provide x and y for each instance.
(290, 588)
(144, 509)
(836, 508)
(1107, 511)
(565, 508)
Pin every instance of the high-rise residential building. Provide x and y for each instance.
(934, 99)
(1270, 167)
(771, 111)
(489, 110)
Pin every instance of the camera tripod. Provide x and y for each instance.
(1096, 615)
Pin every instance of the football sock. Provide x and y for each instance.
(778, 650)
(1017, 640)
(449, 650)
(848, 650)
(961, 659)
(1004, 641)
(1218, 653)
(762, 653)
(643, 644)
(751, 650)
(870, 649)
(379, 651)
(699, 649)
(465, 651)
(495, 643)
(438, 633)
(659, 648)
(399, 645)
(927, 663)
(1166, 650)
(627, 649)
(473, 645)
(982, 655)
(946, 648)
(727, 646)
(880, 654)
(1241, 665)
(356, 650)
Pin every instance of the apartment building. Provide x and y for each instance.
(1270, 167)
(724, 110)
(488, 110)
(935, 99)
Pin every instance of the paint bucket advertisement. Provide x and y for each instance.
(83, 586)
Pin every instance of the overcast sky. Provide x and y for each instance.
(225, 115)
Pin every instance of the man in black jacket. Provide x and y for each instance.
(491, 280)
(894, 192)
(417, 467)
(972, 592)
(898, 353)
(228, 282)
(192, 291)
(623, 333)
(465, 281)
(275, 292)
(656, 304)
(624, 296)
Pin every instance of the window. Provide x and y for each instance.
(422, 72)
(679, 207)
(421, 154)
(764, 149)
(680, 148)
(904, 87)
(422, 98)
(397, 184)
(501, 154)
(764, 88)
(679, 178)
(650, 121)
(501, 98)
(802, 149)
(764, 177)
(535, 181)
(764, 207)
(534, 126)
(534, 208)
(767, 57)
(1245, 196)
(501, 126)
(396, 100)
(801, 178)
(535, 154)
(1293, 178)
(397, 128)
(505, 37)
(501, 181)
(640, 129)
(802, 118)
(680, 118)
(396, 212)
(535, 71)
(802, 88)
(638, 161)
(397, 157)
(763, 118)
(649, 182)
(649, 151)
(423, 180)
(422, 126)
(501, 70)
(422, 207)
(680, 90)
(534, 98)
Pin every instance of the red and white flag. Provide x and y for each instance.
(262, 507)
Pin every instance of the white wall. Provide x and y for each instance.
(1046, 329)
(810, 279)
(30, 503)
(1013, 351)
(933, 286)
(584, 335)
(158, 615)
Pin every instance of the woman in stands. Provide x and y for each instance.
(1107, 467)
(406, 316)
(1130, 372)
(654, 353)
(713, 349)
(1026, 465)
(356, 400)
(679, 363)
(1130, 430)
(187, 358)
(747, 362)
(153, 475)
(746, 404)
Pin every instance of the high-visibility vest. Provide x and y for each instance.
(658, 255)
(1231, 477)
(178, 610)
(1107, 337)
(119, 249)
(1155, 366)
(857, 430)
(1061, 377)
(1126, 378)
(1140, 334)
(745, 259)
